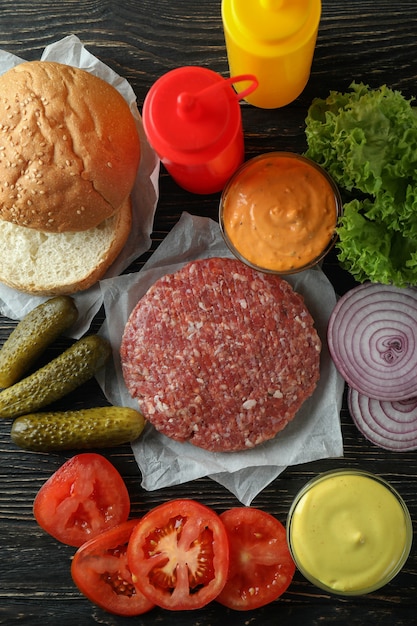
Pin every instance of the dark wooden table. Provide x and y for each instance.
(374, 41)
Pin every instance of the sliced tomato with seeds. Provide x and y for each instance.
(178, 554)
(84, 497)
(261, 567)
(101, 572)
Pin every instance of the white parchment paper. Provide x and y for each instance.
(315, 432)
(71, 51)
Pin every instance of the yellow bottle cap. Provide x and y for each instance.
(266, 22)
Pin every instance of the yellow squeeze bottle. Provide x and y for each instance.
(275, 41)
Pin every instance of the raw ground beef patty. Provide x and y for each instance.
(220, 355)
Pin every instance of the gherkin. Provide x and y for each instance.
(32, 335)
(59, 377)
(98, 427)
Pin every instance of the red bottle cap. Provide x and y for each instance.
(191, 114)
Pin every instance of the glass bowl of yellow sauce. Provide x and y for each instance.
(279, 212)
(349, 532)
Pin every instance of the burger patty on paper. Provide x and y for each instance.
(220, 355)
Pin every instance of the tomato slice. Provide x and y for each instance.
(261, 567)
(84, 497)
(179, 555)
(101, 572)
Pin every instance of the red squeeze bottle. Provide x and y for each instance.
(192, 119)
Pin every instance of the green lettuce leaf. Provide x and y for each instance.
(367, 140)
(371, 251)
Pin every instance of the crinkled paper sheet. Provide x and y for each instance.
(71, 51)
(314, 434)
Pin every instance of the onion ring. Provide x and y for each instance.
(389, 425)
(372, 338)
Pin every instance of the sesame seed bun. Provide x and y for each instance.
(69, 148)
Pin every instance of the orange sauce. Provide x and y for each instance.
(279, 212)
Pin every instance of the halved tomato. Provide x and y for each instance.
(178, 554)
(261, 567)
(101, 572)
(84, 497)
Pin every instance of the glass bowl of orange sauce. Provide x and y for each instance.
(349, 532)
(279, 212)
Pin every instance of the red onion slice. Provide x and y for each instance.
(372, 337)
(389, 425)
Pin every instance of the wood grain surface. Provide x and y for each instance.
(374, 41)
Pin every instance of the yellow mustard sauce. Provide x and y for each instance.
(349, 533)
(279, 212)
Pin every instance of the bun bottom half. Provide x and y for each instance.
(46, 264)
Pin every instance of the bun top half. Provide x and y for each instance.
(69, 148)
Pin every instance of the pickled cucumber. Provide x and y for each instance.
(32, 335)
(59, 377)
(78, 429)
